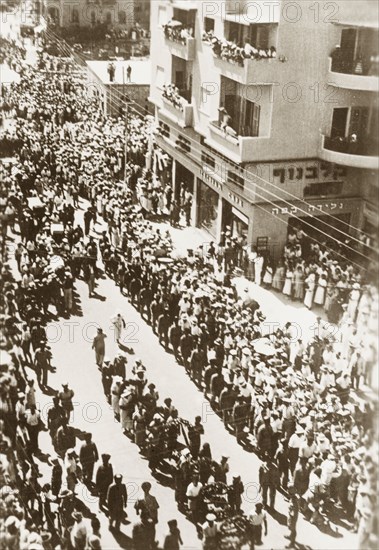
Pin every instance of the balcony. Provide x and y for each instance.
(238, 149)
(244, 65)
(344, 152)
(176, 107)
(342, 77)
(179, 41)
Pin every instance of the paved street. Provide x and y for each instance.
(70, 342)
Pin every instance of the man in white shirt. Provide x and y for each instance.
(257, 519)
(78, 533)
(192, 495)
(307, 448)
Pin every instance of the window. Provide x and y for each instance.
(165, 129)
(207, 160)
(209, 24)
(237, 180)
(108, 18)
(183, 144)
(75, 16)
(93, 18)
(159, 77)
(259, 36)
(252, 116)
(122, 17)
(235, 33)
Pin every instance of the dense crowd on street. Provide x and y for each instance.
(291, 402)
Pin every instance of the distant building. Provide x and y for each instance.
(114, 94)
(88, 13)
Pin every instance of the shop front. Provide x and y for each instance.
(184, 182)
(234, 221)
(323, 221)
(207, 208)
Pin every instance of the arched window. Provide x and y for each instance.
(93, 18)
(75, 16)
(122, 17)
(54, 14)
(108, 18)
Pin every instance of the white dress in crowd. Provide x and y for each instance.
(115, 391)
(310, 283)
(118, 323)
(287, 289)
(267, 277)
(258, 269)
(319, 298)
(353, 301)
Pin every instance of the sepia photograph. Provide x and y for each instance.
(189, 215)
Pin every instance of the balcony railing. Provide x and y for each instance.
(352, 146)
(226, 132)
(178, 98)
(363, 65)
(177, 106)
(176, 32)
(229, 51)
(344, 75)
(352, 151)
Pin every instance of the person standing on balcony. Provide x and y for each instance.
(128, 73)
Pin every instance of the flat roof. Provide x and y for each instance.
(141, 71)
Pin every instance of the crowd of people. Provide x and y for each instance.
(177, 32)
(287, 400)
(171, 93)
(313, 273)
(234, 53)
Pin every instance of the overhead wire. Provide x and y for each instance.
(120, 95)
(282, 199)
(267, 200)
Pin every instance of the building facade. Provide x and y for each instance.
(88, 13)
(282, 134)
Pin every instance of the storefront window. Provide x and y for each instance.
(207, 208)
(183, 182)
(234, 221)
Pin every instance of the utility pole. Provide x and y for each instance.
(126, 138)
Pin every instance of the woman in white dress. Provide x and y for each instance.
(287, 289)
(258, 269)
(115, 394)
(126, 412)
(319, 298)
(277, 282)
(267, 277)
(310, 283)
(355, 294)
(118, 323)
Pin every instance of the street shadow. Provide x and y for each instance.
(165, 480)
(126, 349)
(48, 390)
(277, 516)
(98, 296)
(122, 540)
